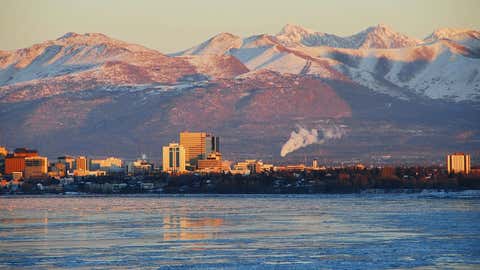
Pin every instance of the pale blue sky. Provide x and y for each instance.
(170, 26)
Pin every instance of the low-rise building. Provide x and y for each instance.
(69, 162)
(110, 164)
(35, 167)
(213, 164)
(16, 176)
(250, 166)
(83, 173)
(3, 155)
(15, 162)
(139, 167)
(58, 170)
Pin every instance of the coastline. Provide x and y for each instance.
(474, 193)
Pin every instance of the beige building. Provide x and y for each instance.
(213, 163)
(82, 173)
(3, 151)
(35, 167)
(139, 167)
(174, 158)
(458, 163)
(198, 145)
(58, 169)
(17, 176)
(110, 164)
(251, 166)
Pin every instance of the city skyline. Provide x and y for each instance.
(222, 134)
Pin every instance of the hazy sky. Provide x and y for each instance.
(170, 26)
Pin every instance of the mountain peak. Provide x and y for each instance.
(89, 39)
(73, 35)
(295, 29)
(224, 36)
(292, 34)
(453, 33)
(217, 45)
(68, 35)
(93, 39)
(382, 36)
(381, 27)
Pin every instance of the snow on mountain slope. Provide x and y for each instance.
(379, 37)
(216, 45)
(458, 35)
(464, 41)
(449, 75)
(437, 70)
(443, 66)
(217, 66)
(76, 62)
(69, 54)
(262, 52)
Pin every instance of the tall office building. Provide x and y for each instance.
(35, 167)
(213, 144)
(315, 163)
(458, 163)
(81, 163)
(198, 145)
(174, 158)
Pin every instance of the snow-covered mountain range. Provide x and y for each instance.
(383, 88)
(445, 65)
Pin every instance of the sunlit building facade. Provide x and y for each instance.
(57, 170)
(3, 151)
(213, 164)
(174, 158)
(110, 164)
(69, 162)
(139, 167)
(315, 164)
(3, 155)
(35, 167)
(458, 163)
(81, 163)
(198, 145)
(16, 162)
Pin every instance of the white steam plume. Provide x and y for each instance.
(303, 137)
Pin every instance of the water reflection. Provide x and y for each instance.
(185, 228)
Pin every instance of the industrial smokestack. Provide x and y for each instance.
(303, 137)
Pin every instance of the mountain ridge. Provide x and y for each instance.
(253, 91)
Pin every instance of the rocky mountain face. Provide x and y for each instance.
(385, 94)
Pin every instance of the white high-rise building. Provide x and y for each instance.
(458, 163)
(174, 158)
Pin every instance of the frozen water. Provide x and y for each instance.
(367, 231)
